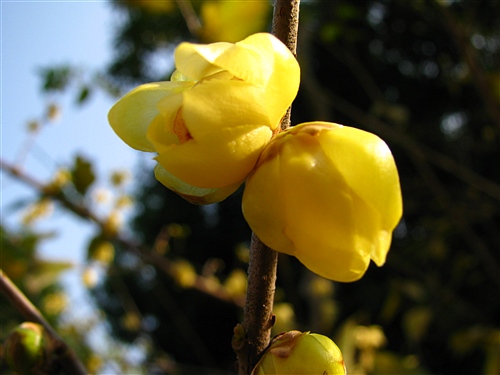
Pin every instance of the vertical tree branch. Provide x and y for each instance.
(64, 354)
(286, 28)
(253, 335)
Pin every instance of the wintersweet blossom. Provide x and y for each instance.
(210, 122)
(327, 194)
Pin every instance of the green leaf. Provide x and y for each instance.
(56, 79)
(82, 174)
(83, 95)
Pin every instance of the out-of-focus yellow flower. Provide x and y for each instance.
(55, 303)
(230, 21)
(38, 210)
(296, 352)
(210, 123)
(327, 194)
(153, 6)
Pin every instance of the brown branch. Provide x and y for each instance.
(252, 337)
(189, 15)
(286, 29)
(65, 356)
(202, 284)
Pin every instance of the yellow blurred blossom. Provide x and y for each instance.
(118, 178)
(102, 195)
(230, 21)
(53, 112)
(103, 251)
(54, 303)
(113, 224)
(153, 6)
(90, 277)
(236, 283)
(131, 321)
(327, 194)
(124, 201)
(38, 210)
(285, 317)
(184, 273)
(211, 121)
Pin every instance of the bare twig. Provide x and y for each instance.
(192, 21)
(286, 28)
(64, 354)
(201, 283)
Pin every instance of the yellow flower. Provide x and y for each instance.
(210, 122)
(296, 352)
(327, 194)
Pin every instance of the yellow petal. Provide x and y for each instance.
(161, 133)
(261, 59)
(322, 214)
(221, 104)
(216, 159)
(131, 116)
(191, 193)
(369, 168)
(263, 206)
(197, 60)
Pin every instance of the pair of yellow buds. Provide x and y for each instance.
(325, 193)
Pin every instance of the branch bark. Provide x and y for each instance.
(150, 256)
(252, 336)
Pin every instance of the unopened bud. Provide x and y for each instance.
(27, 348)
(296, 352)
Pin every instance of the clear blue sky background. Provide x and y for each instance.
(38, 34)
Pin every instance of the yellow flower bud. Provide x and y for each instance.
(327, 194)
(210, 123)
(295, 353)
(27, 348)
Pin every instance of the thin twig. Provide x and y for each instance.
(192, 21)
(64, 354)
(201, 283)
(286, 29)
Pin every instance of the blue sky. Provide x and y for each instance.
(38, 34)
